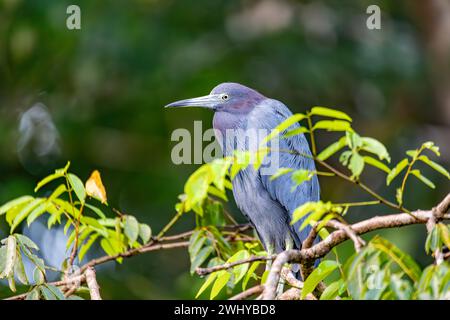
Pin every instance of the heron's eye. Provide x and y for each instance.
(224, 97)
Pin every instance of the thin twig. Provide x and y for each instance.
(205, 271)
(248, 293)
(357, 240)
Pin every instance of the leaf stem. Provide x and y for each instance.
(311, 134)
(408, 171)
(356, 204)
(169, 225)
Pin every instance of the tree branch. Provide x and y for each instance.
(323, 247)
(92, 284)
(205, 271)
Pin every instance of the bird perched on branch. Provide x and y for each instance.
(267, 203)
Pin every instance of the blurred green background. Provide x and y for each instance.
(95, 96)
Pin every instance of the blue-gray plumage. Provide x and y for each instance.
(267, 204)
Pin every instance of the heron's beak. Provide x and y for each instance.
(209, 101)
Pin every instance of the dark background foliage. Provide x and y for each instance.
(105, 86)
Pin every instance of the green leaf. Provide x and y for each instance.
(354, 140)
(37, 212)
(33, 294)
(323, 270)
(96, 210)
(280, 172)
(217, 192)
(66, 206)
(145, 232)
(38, 262)
(377, 164)
(54, 218)
(131, 228)
(14, 203)
(46, 293)
(58, 191)
(3, 250)
(422, 178)
(19, 270)
(250, 273)
(240, 270)
(25, 241)
(431, 146)
(11, 256)
(376, 147)
(433, 241)
(332, 149)
(328, 112)
(264, 276)
(206, 284)
(445, 234)
(55, 291)
(435, 166)
(201, 257)
(110, 246)
(333, 125)
(219, 168)
(25, 211)
(396, 170)
(300, 176)
(38, 276)
(222, 279)
(412, 153)
(399, 196)
(402, 259)
(283, 126)
(400, 287)
(425, 278)
(77, 186)
(196, 241)
(343, 158)
(356, 165)
(240, 162)
(50, 178)
(303, 210)
(319, 211)
(196, 187)
(86, 246)
(332, 291)
(295, 132)
(12, 284)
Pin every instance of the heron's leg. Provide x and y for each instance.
(289, 245)
(270, 251)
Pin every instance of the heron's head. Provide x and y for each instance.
(226, 97)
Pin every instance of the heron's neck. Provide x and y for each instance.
(224, 121)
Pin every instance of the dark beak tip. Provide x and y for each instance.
(170, 105)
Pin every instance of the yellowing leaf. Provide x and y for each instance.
(94, 187)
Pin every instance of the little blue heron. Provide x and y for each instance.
(267, 204)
